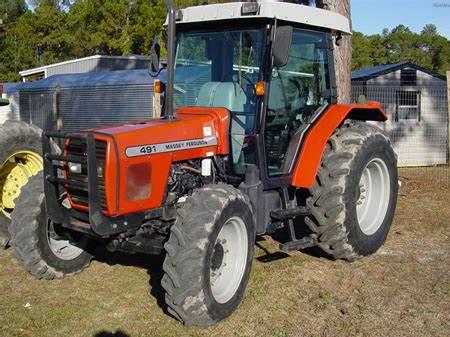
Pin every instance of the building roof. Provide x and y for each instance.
(372, 72)
(268, 10)
(43, 68)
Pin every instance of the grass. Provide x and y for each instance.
(403, 290)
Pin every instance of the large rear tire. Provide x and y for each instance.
(209, 255)
(20, 159)
(35, 241)
(355, 196)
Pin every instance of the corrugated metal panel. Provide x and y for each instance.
(83, 66)
(98, 64)
(86, 107)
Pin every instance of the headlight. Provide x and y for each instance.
(75, 168)
(100, 171)
(138, 181)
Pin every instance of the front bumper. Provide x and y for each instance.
(93, 222)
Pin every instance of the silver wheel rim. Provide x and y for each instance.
(374, 195)
(229, 260)
(62, 249)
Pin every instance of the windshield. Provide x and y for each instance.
(219, 69)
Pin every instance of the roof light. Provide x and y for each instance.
(249, 8)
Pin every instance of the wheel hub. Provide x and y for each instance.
(218, 256)
(62, 249)
(373, 196)
(229, 260)
(14, 174)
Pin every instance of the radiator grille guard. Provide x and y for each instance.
(86, 188)
(77, 148)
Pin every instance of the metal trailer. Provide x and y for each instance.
(74, 102)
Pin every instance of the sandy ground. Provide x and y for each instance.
(403, 290)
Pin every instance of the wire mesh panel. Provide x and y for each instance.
(38, 108)
(418, 125)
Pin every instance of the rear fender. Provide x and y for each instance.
(313, 147)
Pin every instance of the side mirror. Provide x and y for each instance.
(281, 46)
(156, 55)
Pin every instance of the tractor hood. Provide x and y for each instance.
(191, 128)
(139, 155)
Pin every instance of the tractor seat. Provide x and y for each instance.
(227, 95)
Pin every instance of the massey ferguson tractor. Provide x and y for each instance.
(251, 141)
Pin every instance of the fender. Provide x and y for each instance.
(308, 161)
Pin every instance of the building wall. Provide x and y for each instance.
(98, 64)
(423, 143)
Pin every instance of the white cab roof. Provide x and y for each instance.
(269, 10)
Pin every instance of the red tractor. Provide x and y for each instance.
(251, 141)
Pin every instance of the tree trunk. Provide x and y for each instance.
(342, 53)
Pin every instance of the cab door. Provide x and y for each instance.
(298, 91)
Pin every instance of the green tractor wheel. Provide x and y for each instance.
(20, 159)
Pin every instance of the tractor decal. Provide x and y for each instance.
(146, 150)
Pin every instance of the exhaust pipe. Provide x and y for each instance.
(172, 12)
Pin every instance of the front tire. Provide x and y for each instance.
(354, 199)
(38, 247)
(209, 255)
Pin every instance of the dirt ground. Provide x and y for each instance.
(403, 290)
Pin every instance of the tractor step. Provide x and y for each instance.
(298, 244)
(289, 213)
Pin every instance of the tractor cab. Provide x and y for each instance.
(269, 63)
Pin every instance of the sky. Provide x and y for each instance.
(372, 16)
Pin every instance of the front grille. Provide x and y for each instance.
(80, 195)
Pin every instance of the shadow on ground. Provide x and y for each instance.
(111, 334)
(153, 265)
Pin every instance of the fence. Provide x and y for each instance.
(418, 127)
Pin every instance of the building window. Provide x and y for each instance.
(408, 106)
(408, 77)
